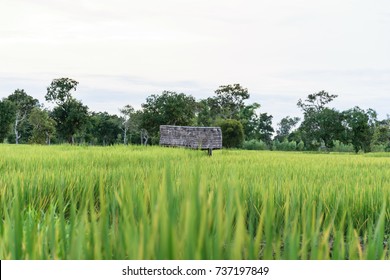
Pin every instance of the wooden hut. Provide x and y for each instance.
(204, 138)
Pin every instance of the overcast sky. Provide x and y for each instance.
(121, 51)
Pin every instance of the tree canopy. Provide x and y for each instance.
(60, 89)
(168, 108)
(7, 115)
(70, 114)
(23, 104)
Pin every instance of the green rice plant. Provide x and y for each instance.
(133, 202)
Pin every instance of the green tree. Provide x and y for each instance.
(285, 127)
(321, 125)
(70, 114)
(204, 116)
(256, 125)
(70, 118)
(265, 128)
(7, 115)
(126, 116)
(359, 125)
(315, 102)
(43, 126)
(168, 108)
(232, 133)
(24, 103)
(105, 128)
(59, 91)
(381, 134)
(250, 121)
(136, 127)
(322, 128)
(228, 101)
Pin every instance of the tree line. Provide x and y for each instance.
(23, 119)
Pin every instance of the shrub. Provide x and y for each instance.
(254, 145)
(285, 145)
(341, 147)
(292, 146)
(378, 148)
(301, 146)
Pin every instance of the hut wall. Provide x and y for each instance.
(191, 137)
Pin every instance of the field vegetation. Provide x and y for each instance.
(137, 202)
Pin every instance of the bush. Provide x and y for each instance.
(232, 133)
(378, 148)
(254, 145)
(341, 147)
(285, 145)
(301, 146)
(292, 146)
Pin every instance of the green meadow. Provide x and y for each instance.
(133, 202)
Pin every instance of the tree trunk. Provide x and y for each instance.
(17, 121)
(124, 136)
(47, 139)
(16, 131)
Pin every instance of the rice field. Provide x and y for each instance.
(64, 202)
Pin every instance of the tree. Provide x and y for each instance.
(265, 128)
(322, 128)
(60, 89)
(381, 134)
(321, 125)
(256, 125)
(229, 101)
(43, 126)
(126, 114)
(359, 125)
(203, 113)
(250, 121)
(136, 127)
(168, 108)
(7, 115)
(23, 105)
(285, 127)
(70, 118)
(70, 114)
(315, 102)
(105, 128)
(232, 133)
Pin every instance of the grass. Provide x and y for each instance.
(64, 202)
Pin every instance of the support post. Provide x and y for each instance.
(210, 152)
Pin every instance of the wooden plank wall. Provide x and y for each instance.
(191, 137)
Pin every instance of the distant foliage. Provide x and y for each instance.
(285, 145)
(254, 145)
(43, 127)
(320, 129)
(7, 116)
(285, 127)
(301, 146)
(232, 133)
(380, 148)
(167, 108)
(340, 147)
(229, 101)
